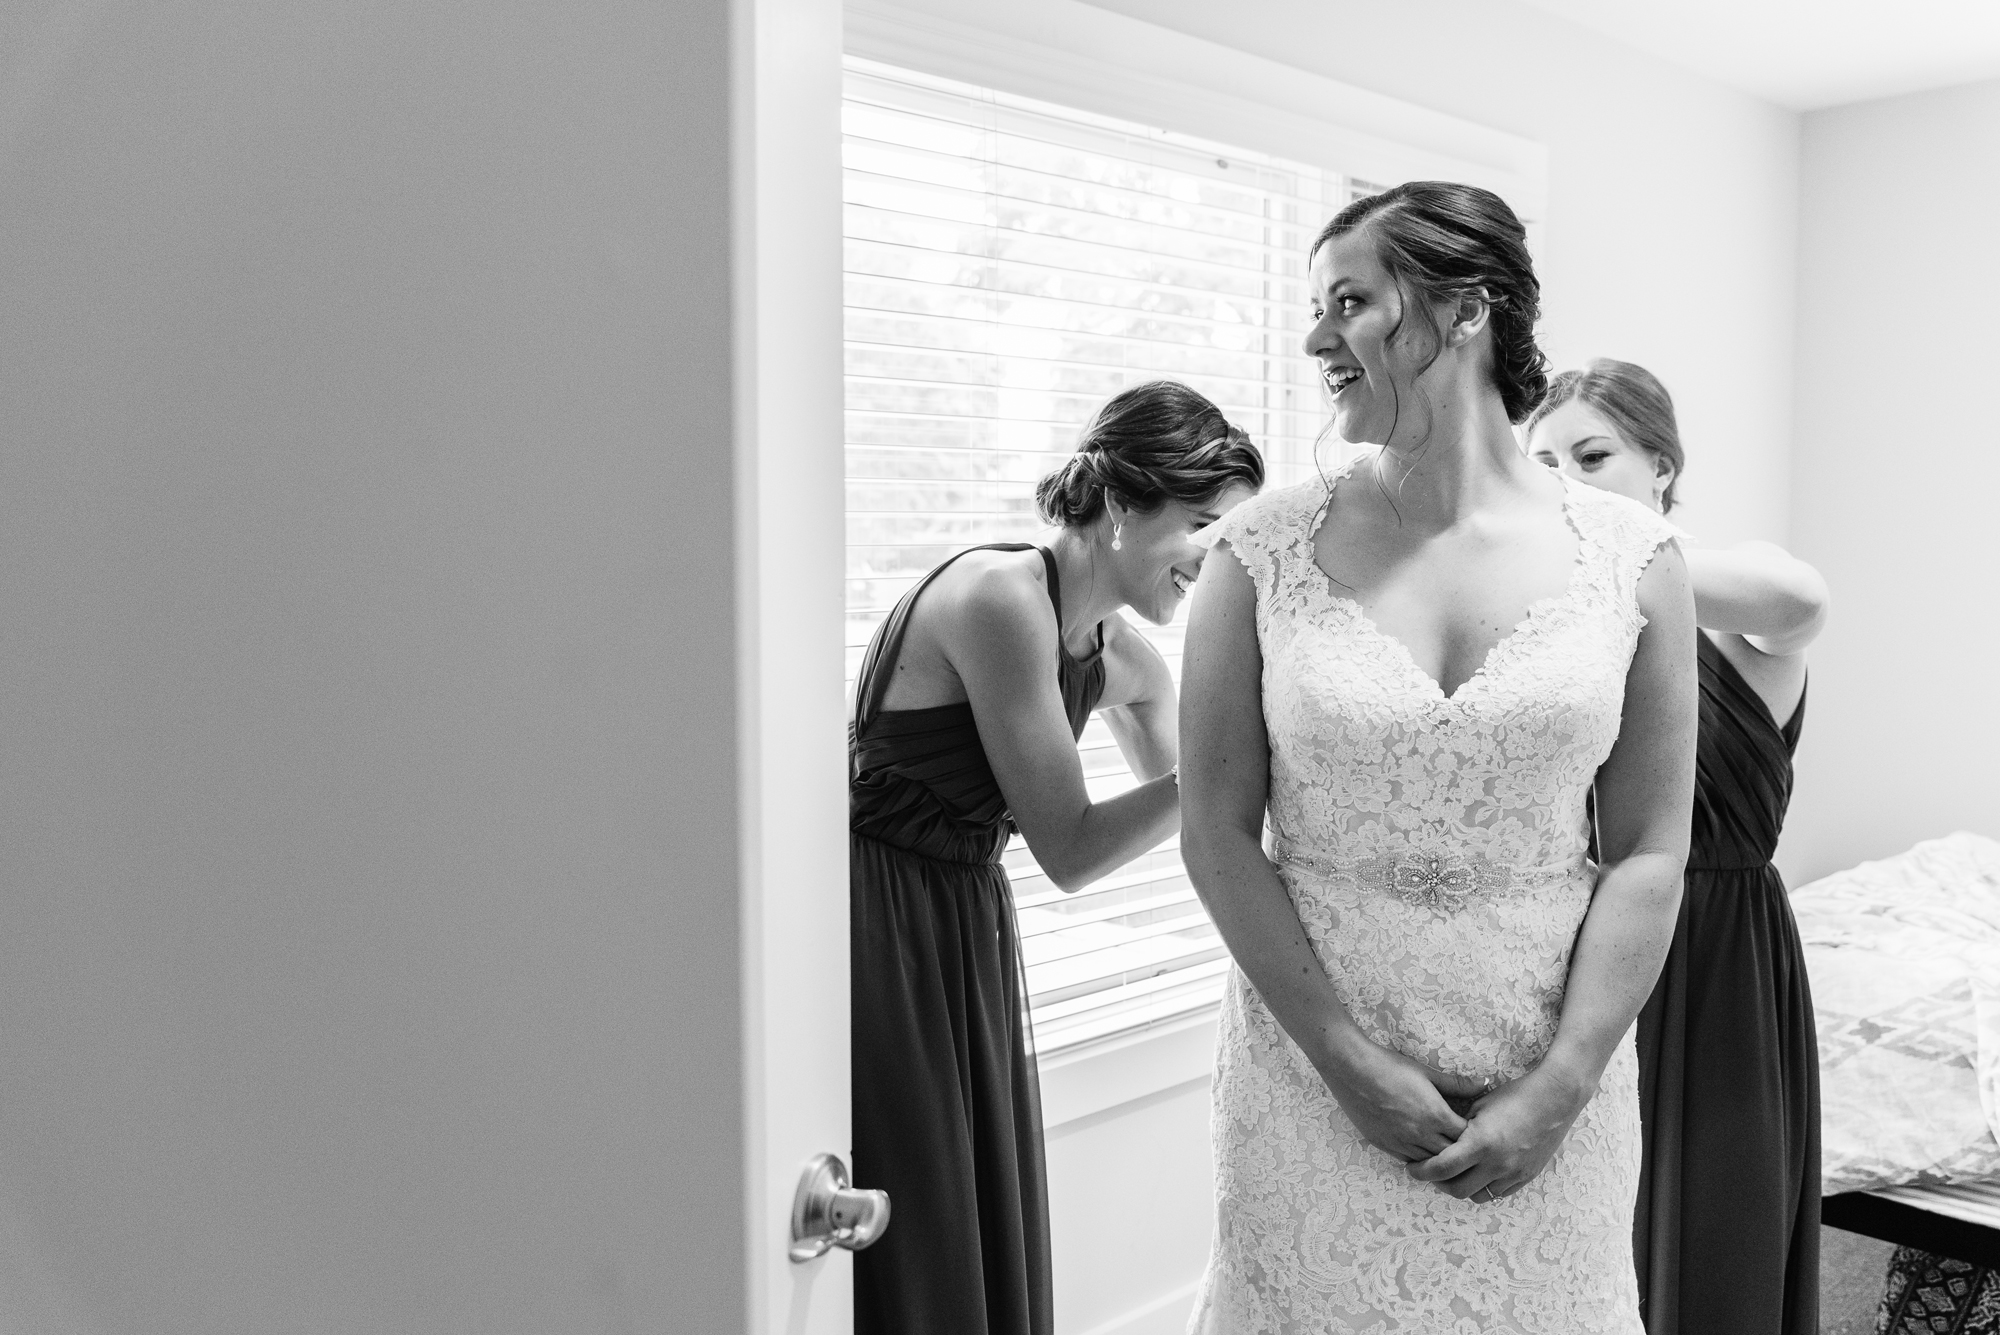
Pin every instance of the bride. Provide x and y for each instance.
(1426, 1114)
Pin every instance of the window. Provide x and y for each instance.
(1009, 265)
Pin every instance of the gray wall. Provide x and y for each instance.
(1896, 471)
(368, 867)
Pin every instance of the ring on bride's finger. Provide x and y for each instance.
(1484, 1195)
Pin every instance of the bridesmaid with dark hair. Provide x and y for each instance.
(966, 716)
(1726, 1233)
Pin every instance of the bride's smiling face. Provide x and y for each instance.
(1368, 364)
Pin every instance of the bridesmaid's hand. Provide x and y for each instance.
(1513, 1133)
(1397, 1103)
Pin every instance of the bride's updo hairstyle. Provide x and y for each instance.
(1440, 241)
(1149, 444)
(1633, 400)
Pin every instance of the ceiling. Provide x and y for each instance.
(1806, 54)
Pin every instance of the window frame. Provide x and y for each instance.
(1116, 66)
(1121, 67)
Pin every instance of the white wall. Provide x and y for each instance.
(1672, 204)
(1896, 472)
(1131, 1204)
(1670, 242)
(367, 790)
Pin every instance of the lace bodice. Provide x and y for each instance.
(1369, 756)
(1435, 848)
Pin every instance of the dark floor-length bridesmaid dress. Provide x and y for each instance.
(1726, 1233)
(947, 1108)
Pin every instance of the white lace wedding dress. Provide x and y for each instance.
(1436, 850)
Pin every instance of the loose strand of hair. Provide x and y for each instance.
(1430, 411)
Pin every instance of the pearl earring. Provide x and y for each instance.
(1117, 544)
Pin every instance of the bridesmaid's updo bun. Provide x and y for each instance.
(1149, 444)
(1442, 240)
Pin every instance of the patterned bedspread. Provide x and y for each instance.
(1904, 956)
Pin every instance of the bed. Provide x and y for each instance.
(1956, 1221)
(1904, 956)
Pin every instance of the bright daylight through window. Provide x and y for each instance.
(1009, 265)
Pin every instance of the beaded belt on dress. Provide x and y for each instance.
(1440, 881)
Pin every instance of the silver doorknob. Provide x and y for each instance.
(829, 1213)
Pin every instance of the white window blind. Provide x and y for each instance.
(1010, 265)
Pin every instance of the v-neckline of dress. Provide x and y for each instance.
(1495, 652)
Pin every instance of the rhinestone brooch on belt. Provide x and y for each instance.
(1445, 884)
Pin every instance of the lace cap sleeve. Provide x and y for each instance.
(1632, 534)
(1261, 529)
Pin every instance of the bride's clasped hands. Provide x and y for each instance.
(1400, 1105)
(1503, 1137)
(1512, 1133)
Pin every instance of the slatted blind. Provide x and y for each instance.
(1009, 265)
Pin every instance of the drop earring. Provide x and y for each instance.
(1117, 543)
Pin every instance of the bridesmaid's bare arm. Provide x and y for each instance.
(1760, 591)
(1139, 704)
(1762, 606)
(1000, 638)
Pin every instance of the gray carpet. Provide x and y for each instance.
(1850, 1281)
